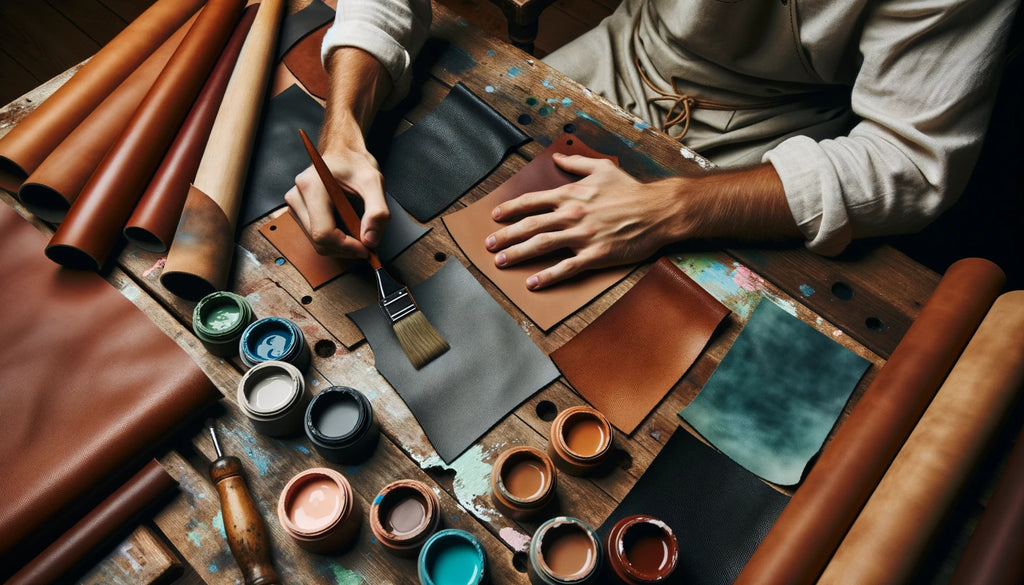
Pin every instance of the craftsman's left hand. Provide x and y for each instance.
(607, 218)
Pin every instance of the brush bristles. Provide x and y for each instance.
(419, 340)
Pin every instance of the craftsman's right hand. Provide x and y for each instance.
(359, 176)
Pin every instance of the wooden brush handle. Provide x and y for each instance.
(246, 533)
(349, 218)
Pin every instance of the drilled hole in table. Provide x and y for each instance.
(546, 410)
(520, 560)
(625, 459)
(874, 324)
(306, 300)
(279, 261)
(842, 291)
(325, 348)
(440, 256)
(569, 128)
(273, 228)
(524, 119)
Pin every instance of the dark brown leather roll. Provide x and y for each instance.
(90, 533)
(51, 189)
(151, 226)
(96, 219)
(91, 386)
(811, 527)
(32, 140)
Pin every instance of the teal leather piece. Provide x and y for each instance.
(776, 395)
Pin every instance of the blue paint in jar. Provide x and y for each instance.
(453, 557)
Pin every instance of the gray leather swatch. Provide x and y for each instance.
(491, 368)
(776, 395)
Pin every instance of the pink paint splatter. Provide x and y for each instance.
(515, 539)
(155, 268)
(837, 333)
(746, 279)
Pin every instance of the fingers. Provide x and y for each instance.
(563, 270)
(580, 165)
(311, 206)
(375, 212)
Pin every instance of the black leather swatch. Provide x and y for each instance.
(718, 511)
(296, 26)
(491, 368)
(443, 155)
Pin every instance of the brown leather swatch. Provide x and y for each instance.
(471, 225)
(891, 535)
(629, 358)
(290, 240)
(152, 223)
(89, 386)
(303, 60)
(804, 537)
(95, 221)
(32, 140)
(93, 531)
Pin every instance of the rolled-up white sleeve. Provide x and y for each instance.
(923, 96)
(393, 31)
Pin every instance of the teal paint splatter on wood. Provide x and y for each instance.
(806, 290)
(587, 116)
(489, 89)
(455, 60)
(566, 101)
(547, 83)
(490, 53)
(514, 71)
(532, 101)
(343, 576)
(544, 111)
(641, 125)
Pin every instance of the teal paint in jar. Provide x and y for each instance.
(274, 339)
(453, 557)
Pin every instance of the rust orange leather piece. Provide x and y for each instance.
(288, 237)
(629, 358)
(303, 60)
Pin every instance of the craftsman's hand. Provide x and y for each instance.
(358, 174)
(605, 219)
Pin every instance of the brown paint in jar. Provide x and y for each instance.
(404, 515)
(580, 441)
(523, 482)
(564, 550)
(641, 549)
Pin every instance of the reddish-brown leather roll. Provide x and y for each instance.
(89, 386)
(24, 147)
(151, 226)
(891, 534)
(123, 506)
(811, 527)
(51, 189)
(92, 225)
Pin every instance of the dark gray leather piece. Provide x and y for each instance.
(296, 26)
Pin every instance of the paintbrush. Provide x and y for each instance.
(419, 339)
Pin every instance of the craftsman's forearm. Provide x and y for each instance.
(359, 85)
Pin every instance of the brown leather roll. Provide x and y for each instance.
(24, 147)
(90, 533)
(993, 553)
(51, 189)
(803, 538)
(151, 226)
(891, 535)
(92, 225)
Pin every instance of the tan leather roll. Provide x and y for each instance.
(892, 533)
(29, 143)
(811, 527)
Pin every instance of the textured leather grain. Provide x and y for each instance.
(303, 60)
(891, 535)
(471, 225)
(629, 358)
(827, 502)
(456, 145)
(90, 386)
(717, 510)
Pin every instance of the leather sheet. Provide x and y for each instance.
(491, 368)
(456, 145)
(891, 535)
(55, 184)
(152, 223)
(775, 396)
(299, 24)
(717, 510)
(629, 358)
(95, 221)
(32, 140)
(121, 386)
(470, 226)
(827, 502)
(92, 532)
(204, 245)
(303, 60)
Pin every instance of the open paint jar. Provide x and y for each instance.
(273, 396)
(318, 510)
(274, 338)
(219, 320)
(404, 515)
(564, 550)
(581, 440)
(453, 556)
(642, 549)
(523, 482)
(339, 422)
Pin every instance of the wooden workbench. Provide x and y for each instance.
(865, 301)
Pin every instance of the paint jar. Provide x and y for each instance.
(274, 338)
(581, 440)
(404, 515)
(318, 510)
(523, 482)
(273, 396)
(453, 556)
(564, 550)
(641, 549)
(219, 320)
(339, 422)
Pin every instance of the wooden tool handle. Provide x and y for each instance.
(349, 218)
(246, 532)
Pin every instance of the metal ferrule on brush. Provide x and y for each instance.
(395, 298)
